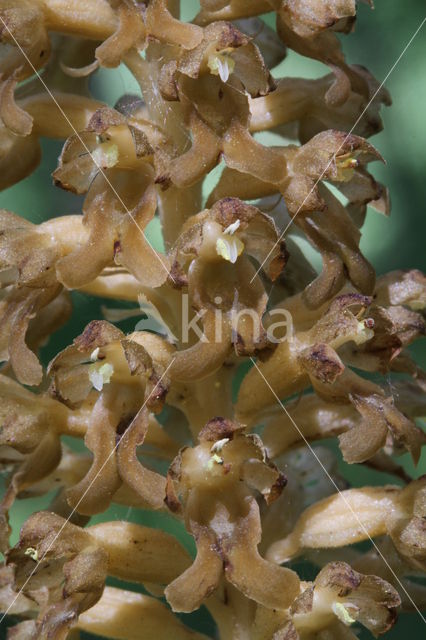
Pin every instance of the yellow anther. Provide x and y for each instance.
(222, 65)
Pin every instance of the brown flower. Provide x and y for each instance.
(121, 373)
(215, 481)
(211, 259)
(340, 592)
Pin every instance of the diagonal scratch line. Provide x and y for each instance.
(361, 524)
(101, 171)
(333, 157)
(80, 500)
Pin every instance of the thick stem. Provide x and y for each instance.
(176, 205)
(288, 102)
(125, 615)
(93, 19)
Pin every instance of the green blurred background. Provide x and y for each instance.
(389, 243)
